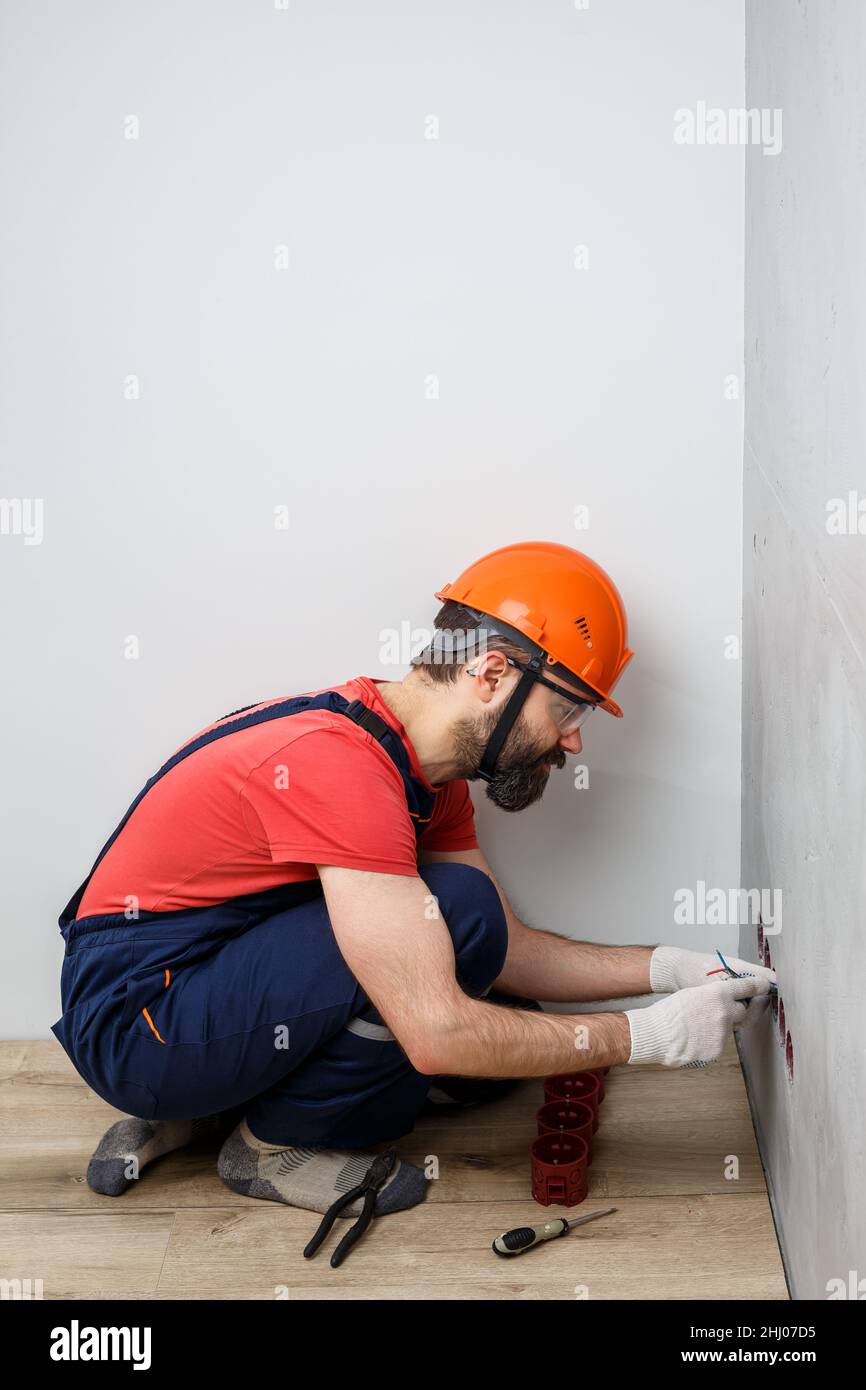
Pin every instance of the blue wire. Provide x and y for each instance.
(734, 975)
(731, 972)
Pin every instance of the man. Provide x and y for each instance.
(294, 924)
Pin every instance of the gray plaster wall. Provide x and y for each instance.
(804, 690)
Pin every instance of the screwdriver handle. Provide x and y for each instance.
(524, 1237)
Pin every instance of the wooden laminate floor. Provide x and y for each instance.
(682, 1229)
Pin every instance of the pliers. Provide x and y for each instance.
(369, 1187)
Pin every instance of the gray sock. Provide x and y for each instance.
(312, 1178)
(128, 1147)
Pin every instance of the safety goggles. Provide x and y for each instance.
(570, 711)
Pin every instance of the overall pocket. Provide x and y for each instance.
(160, 963)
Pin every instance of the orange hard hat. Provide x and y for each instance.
(555, 601)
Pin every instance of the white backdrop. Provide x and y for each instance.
(311, 387)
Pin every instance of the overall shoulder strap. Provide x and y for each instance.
(246, 718)
(419, 800)
(368, 719)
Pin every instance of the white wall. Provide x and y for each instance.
(407, 257)
(804, 824)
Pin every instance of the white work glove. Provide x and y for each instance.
(692, 1025)
(673, 968)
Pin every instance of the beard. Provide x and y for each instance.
(522, 768)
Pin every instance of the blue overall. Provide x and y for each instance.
(249, 1003)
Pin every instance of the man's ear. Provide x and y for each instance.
(498, 675)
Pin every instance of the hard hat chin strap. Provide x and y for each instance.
(507, 719)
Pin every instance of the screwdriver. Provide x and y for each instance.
(524, 1237)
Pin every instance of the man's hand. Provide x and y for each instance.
(693, 1025)
(672, 968)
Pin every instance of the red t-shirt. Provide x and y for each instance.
(265, 805)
